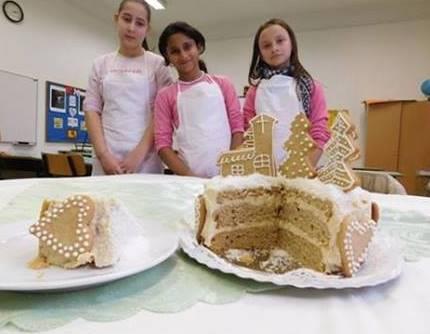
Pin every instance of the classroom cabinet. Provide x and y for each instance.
(398, 139)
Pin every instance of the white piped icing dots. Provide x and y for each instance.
(64, 227)
(341, 151)
(355, 239)
(299, 146)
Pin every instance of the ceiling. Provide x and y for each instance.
(219, 19)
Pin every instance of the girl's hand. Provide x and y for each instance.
(236, 140)
(175, 164)
(132, 162)
(110, 164)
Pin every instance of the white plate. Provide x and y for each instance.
(17, 247)
(384, 263)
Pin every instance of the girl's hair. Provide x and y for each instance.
(202, 66)
(187, 30)
(257, 63)
(148, 11)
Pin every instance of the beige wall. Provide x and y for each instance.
(56, 42)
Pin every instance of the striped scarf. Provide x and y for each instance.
(304, 85)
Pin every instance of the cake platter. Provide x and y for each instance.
(153, 244)
(384, 263)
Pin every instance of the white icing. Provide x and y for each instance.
(114, 227)
(279, 261)
(235, 255)
(220, 183)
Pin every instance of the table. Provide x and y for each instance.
(20, 166)
(194, 299)
(13, 167)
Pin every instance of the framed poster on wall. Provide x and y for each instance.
(65, 122)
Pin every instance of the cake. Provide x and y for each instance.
(81, 230)
(276, 224)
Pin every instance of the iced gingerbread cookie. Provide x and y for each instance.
(79, 230)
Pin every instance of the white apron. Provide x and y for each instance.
(204, 131)
(126, 115)
(277, 96)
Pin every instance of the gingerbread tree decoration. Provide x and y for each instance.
(341, 151)
(299, 146)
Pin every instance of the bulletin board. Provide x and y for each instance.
(65, 122)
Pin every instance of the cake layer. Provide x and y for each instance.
(238, 214)
(304, 252)
(261, 237)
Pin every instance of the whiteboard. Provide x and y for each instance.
(18, 108)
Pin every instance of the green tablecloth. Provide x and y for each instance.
(177, 283)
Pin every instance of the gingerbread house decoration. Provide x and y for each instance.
(255, 155)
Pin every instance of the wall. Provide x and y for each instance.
(386, 61)
(56, 42)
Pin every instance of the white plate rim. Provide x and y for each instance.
(169, 234)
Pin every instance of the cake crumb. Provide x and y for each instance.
(38, 263)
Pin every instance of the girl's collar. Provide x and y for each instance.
(202, 74)
(142, 53)
(267, 72)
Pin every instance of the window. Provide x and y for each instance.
(262, 161)
(237, 170)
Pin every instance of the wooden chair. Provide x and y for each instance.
(380, 182)
(57, 165)
(77, 163)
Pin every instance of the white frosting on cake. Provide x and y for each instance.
(345, 201)
(219, 183)
(114, 225)
(314, 186)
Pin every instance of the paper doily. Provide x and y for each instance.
(384, 263)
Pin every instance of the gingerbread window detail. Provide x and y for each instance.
(262, 161)
(237, 170)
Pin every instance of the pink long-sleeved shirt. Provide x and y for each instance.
(166, 111)
(318, 115)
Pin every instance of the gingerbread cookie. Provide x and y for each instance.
(256, 153)
(339, 174)
(299, 146)
(82, 230)
(200, 215)
(64, 230)
(341, 151)
(354, 240)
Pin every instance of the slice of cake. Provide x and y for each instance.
(80, 230)
(276, 224)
